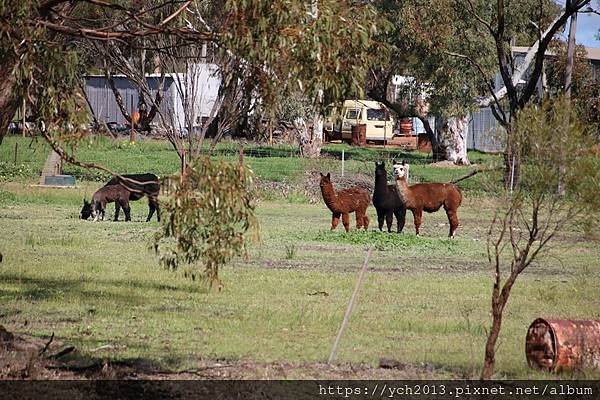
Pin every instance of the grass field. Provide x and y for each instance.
(425, 300)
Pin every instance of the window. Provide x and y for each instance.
(376, 115)
(353, 113)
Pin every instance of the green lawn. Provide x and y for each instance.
(425, 300)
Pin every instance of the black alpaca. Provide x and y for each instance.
(140, 185)
(386, 200)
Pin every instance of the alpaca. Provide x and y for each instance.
(343, 202)
(103, 196)
(429, 197)
(139, 185)
(386, 200)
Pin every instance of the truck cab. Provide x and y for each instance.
(340, 120)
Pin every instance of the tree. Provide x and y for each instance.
(528, 219)
(207, 218)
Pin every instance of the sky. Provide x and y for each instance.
(588, 25)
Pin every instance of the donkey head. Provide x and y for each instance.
(400, 169)
(325, 179)
(86, 210)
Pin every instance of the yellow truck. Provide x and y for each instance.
(340, 120)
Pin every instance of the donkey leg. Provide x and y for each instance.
(453, 221)
(389, 219)
(150, 210)
(335, 220)
(400, 214)
(417, 215)
(117, 208)
(346, 221)
(127, 211)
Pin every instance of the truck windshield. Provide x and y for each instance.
(353, 114)
(376, 115)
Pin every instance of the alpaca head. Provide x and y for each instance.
(380, 169)
(400, 170)
(325, 180)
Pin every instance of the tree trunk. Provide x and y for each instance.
(9, 103)
(490, 346)
(310, 138)
(454, 132)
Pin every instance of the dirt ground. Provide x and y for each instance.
(26, 357)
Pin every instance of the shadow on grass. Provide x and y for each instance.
(48, 288)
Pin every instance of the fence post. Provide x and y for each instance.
(350, 306)
(343, 159)
(16, 151)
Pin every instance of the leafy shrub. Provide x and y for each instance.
(206, 219)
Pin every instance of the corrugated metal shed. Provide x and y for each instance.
(203, 79)
(485, 133)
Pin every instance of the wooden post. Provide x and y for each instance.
(133, 122)
(270, 131)
(23, 118)
(242, 164)
(16, 151)
(350, 306)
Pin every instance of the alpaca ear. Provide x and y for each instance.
(403, 162)
(394, 161)
(320, 173)
(328, 175)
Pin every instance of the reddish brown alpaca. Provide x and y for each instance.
(345, 201)
(429, 197)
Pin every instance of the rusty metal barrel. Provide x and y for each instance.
(559, 345)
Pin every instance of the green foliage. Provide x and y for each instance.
(384, 241)
(438, 42)
(206, 218)
(557, 150)
(290, 47)
(10, 171)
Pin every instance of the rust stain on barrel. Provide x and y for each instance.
(563, 345)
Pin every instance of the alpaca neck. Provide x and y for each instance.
(381, 184)
(404, 190)
(329, 196)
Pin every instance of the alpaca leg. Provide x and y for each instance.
(365, 221)
(389, 219)
(380, 218)
(417, 215)
(346, 221)
(400, 214)
(453, 221)
(335, 220)
(359, 218)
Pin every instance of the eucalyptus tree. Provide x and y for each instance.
(455, 48)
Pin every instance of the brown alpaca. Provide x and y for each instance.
(345, 201)
(429, 197)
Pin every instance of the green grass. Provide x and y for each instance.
(273, 164)
(425, 300)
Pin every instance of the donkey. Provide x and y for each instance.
(107, 194)
(139, 185)
(343, 202)
(429, 197)
(386, 200)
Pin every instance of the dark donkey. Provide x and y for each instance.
(140, 185)
(107, 194)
